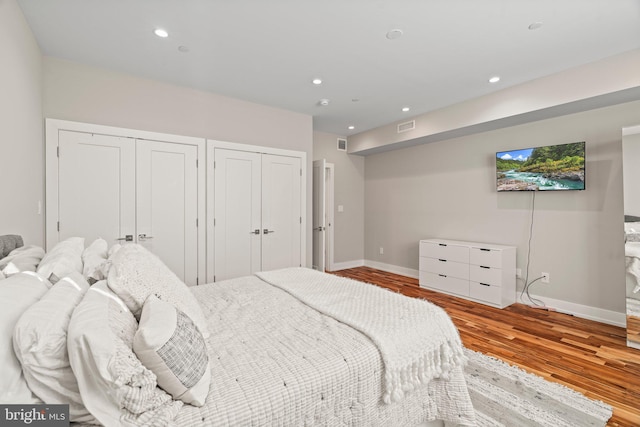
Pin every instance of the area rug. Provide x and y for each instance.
(505, 395)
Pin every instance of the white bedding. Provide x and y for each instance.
(277, 362)
(632, 263)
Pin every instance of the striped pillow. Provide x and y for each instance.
(170, 345)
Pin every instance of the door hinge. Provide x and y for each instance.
(214, 164)
(214, 277)
(214, 222)
(300, 172)
(196, 222)
(58, 151)
(300, 220)
(58, 225)
(196, 163)
(197, 281)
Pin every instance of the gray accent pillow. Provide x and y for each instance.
(169, 344)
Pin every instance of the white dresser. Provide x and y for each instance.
(481, 272)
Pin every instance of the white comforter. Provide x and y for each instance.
(277, 362)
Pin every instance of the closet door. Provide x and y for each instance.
(237, 217)
(281, 212)
(96, 186)
(167, 204)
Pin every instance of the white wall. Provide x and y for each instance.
(446, 189)
(82, 93)
(631, 173)
(21, 128)
(348, 192)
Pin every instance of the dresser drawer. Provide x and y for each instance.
(448, 268)
(444, 251)
(483, 274)
(444, 283)
(486, 257)
(485, 292)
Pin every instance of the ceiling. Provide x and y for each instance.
(269, 51)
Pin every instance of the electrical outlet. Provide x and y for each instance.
(519, 273)
(381, 250)
(545, 277)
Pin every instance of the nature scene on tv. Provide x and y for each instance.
(556, 167)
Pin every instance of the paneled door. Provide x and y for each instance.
(281, 212)
(238, 219)
(128, 190)
(257, 212)
(96, 191)
(167, 204)
(319, 213)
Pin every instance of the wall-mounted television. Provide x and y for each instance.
(545, 168)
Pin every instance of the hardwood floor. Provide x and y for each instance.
(587, 356)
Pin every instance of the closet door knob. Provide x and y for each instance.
(127, 238)
(144, 237)
(256, 231)
(265, 231)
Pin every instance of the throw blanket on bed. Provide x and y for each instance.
(8, 243)
(416, 339)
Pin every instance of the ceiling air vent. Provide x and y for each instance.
(406, 126)
(342, 144)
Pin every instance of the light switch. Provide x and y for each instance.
(340, 208)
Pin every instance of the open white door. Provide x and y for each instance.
(319, 214)
(167, 205)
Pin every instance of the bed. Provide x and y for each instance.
(292, 347)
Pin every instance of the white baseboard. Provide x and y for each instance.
(390, 268)
(583, 311)
(337, 266)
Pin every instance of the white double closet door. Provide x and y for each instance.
(130, 190)
(257, 212)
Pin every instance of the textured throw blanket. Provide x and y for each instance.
(416, 339)
(8, 243)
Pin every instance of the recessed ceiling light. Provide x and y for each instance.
(405, 109)
(535, 25)
(394, 34)
(161, 33)
(324, 102)
(183, 49)
(352, 127)
(317, 81)
(494, 79)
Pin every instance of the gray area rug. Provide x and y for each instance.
(505, 395)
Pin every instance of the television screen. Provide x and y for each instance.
(553, 167)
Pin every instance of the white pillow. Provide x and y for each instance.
(115, 387)
(25, 258)
(94, 258)
(62, 259)
(136, 273)
(17, 293)
(169, 344)
(40, 343)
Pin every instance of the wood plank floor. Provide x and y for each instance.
(587, 356)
